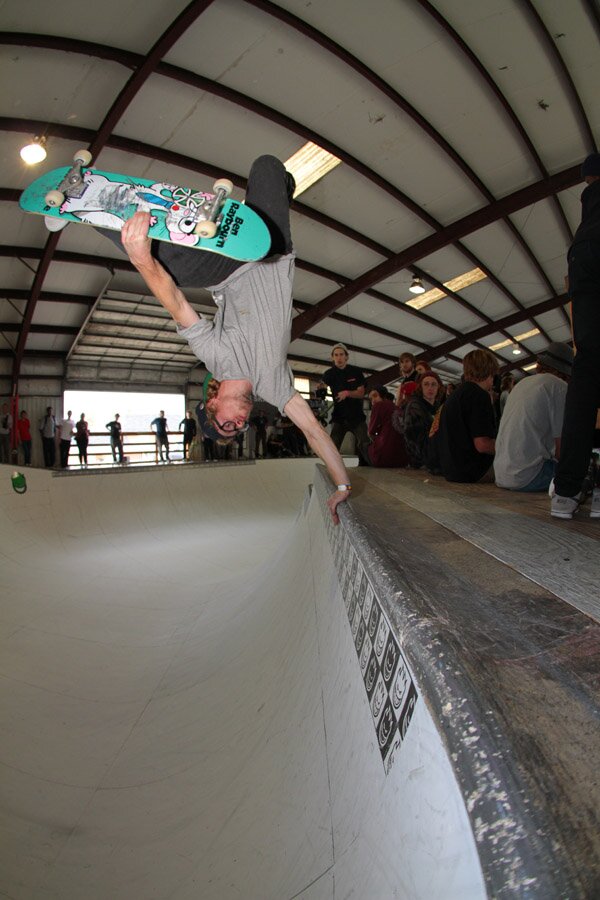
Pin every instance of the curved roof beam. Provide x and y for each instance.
(564, 74)
(183, 21)
(70, 132)
(452, 233)
(124, 265)
(430, 352)
(514, 119)
(75, 133)
(423, 123)
(593, 12)
(278, 118)
(442, 350)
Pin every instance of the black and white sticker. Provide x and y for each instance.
(390, 688)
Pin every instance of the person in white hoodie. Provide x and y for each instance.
(528, 441)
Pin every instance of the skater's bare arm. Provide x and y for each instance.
(136, 242)
(298, 410)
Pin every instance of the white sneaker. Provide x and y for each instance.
(564, 507)
(595, 510)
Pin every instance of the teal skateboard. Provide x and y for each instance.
(181, 216)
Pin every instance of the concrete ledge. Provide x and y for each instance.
(509, 674)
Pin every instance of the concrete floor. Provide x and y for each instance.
(182, 710)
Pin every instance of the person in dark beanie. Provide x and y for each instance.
(583, 394)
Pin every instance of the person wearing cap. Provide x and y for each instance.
(528, 441)
(245, 345)
(347, 384)
(583, 394)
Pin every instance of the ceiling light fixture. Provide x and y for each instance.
(416, 286)
(35, 152)
(455, 284)
(517, 351)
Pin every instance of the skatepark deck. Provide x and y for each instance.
(209, 691)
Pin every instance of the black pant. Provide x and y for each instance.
(188, 437)
(583, 394)
(209, 448)
(361, 436)
(65, 446)
(49, 447)
(82, 445)
(26, 445)
(117, 449)
(260, 440)
(162, 441)
(267, 193)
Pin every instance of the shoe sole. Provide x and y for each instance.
(559, 515)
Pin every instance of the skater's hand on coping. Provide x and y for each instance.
(334, 501)
(134, 237)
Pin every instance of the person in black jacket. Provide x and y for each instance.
(418, 417)
(189, 432)
(347, 385)
(116, 439)
(583, 394)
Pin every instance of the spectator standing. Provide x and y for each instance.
(82, 439)
(387, 448)
(239, 439)
(189, 432)
(583, 394)
(421, 366)
(116, 439)
(48, 429)
(24, 433)
(347, 385)
(288, 436)
(528, 442)
(466, 436)
(67, 427)
(5, 429)
(418, 418)
(408, 371)
(209, 449)
(161, 429)
(260, 423)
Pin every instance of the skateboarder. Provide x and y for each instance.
(245, 347)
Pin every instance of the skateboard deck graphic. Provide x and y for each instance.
(107, 200)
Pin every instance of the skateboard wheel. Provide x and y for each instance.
(54, 198)
(54, 224)
(223, 184)
(206, 229)
(83, 156)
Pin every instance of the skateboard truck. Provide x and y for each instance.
(208, 227)
(72, 184)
